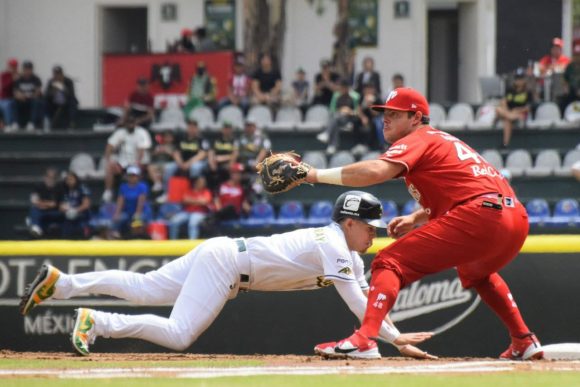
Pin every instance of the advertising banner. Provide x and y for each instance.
(293, 322)
(168, 73)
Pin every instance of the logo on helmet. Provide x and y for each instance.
(351, 203)
(392, 95)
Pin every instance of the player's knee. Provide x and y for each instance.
(181, 336)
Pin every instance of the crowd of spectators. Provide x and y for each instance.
(24, 104)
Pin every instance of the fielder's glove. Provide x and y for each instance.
(281, 172)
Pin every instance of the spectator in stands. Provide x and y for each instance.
(128, 145)
(203, 42)
(202, 90)
(397, 80)
(555, 61)
(44, 210)
(7, 79)
(239, 89)
(325, 84)
(61, 101)
(369, 134)
(222, 154)
(189, 157)
(132, 212)
(345, 111)
(28, 98)
(572, 78)
(161, 156)
(515, 106)
(266, 83)
(184, 43)
(139, 105)
(231, 202)
(368, 75)
(196, 202)
(254, 146)
(75, 204)
(299, 93)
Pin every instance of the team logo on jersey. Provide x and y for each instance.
(351, 203)
(345, 270)
(322, 282)
(414, 192)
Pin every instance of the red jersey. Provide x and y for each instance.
(231, 194)
(140, 102)
(197, 195)
(559, 64)
(6, 85)
(442, 171)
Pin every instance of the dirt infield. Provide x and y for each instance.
(54, 361)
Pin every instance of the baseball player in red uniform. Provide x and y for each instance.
(199, 283)
(470, 220)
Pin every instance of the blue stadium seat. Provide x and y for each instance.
(538, 212)
(390, 210)
(320, 214)
(410, 207)
(291, 212)
(261, 214)
(566, 213)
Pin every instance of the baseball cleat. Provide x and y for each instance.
(83, 334)
(524, 348)
(358, 346)
(40, 289)
(326, 350)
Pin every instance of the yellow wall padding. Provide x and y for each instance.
(534, 244)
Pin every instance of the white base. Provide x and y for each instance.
(562, 351)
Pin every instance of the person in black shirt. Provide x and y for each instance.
(189, 155)
(515, 106)
(266, 83)
(44, 210)
(325, 84)
(74, 203)
(222, 154)
(61, 101)
(27, 98)
(368, 75)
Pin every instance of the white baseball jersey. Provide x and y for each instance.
(304, 259)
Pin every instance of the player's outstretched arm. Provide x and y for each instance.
(361, 174)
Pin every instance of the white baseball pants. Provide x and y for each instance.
(198, 285)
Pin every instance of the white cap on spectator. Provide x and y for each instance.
(133, 170)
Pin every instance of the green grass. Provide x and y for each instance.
(524, 379)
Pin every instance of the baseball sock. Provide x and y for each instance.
(496, 294)
(385, 285)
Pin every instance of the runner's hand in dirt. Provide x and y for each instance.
(416, 353)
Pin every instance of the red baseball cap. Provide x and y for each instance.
(557, 42)
(237, 167)
(405, 99)
(12, 62)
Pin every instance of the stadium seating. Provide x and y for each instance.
(371, 155)
(493, 157)
(566, 214)
(232, 114)
(390, 210)
(261, 115)
(341, 159)
(261, 214)
(437, 114)
(547, 162)
(459, 116)
(410, 207)
(571, 157)
(320, 213)
(204, 117)
(170, 118)
(316, 119)
(484, 118)
(315, 158)
(491, 87)
(547, 116)
(287, 118)
(538, 212)
(518, 161)
(291, 213)
(83, 165)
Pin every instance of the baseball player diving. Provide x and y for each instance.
(470, 219)
(199, 283)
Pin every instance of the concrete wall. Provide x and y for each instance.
(68, 32)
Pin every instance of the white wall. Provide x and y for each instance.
(67, 32)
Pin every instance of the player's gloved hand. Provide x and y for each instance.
(281, 172)
(409, 350)
(400, 225)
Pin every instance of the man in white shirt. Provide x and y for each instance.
(199, 283)
(128, 145)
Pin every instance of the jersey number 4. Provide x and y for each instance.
(465, 153)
